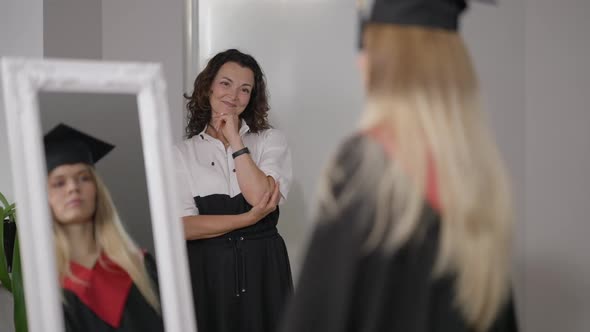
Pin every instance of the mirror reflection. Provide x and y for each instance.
(98, 201)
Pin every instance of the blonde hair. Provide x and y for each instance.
(113, 240)
(422, 90)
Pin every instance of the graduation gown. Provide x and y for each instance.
(108, 300)
(345, 288)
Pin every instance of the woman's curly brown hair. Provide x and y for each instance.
(199, 108)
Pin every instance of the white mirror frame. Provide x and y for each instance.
(23, 79)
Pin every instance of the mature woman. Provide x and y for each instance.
(233, 169)
(414, 227)
(108, 283)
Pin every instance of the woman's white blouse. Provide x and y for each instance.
(204, 167)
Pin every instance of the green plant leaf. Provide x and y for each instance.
(11, 214)
(4, 200)
(4, 276)
(20, 313)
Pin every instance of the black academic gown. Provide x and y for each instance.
(107, 300)
(345, 288)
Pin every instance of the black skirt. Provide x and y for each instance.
(240, 280)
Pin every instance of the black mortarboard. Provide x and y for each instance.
(438, 14)
(66, 145)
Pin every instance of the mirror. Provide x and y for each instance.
(41, 93)
(114, 119)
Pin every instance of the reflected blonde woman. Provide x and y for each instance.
(108, 283)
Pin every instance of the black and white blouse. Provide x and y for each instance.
(205, 168)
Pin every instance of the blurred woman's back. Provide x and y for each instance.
(415, 214)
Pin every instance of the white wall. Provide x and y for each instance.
(148, 30)
(557, 284)
(23, 18)
(72, 29)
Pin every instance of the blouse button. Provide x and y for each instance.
(212, 163)
(234, 170)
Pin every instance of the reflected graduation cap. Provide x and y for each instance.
(436, 14)
(66, 145)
